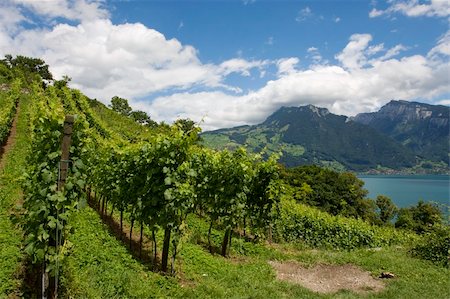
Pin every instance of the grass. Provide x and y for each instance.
(100, 266)
(10, 193)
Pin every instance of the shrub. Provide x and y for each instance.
(298, 222)
(435, 246)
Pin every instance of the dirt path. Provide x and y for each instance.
(10, 141)
(328, 278)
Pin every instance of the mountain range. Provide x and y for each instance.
(401, 135)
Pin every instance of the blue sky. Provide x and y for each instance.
(229, 63)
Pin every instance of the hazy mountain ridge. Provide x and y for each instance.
(309, 134)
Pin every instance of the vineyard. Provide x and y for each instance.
(114, 209)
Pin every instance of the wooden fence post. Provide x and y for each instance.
(65, 148)
(62, 176)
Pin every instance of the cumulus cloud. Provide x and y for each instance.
(71, 10)
(104, 59)
(414, 8)
(286, 66)
(352, 56)
(348, 88)
(10, 18)
(136, 62)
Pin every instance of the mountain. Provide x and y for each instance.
(309, 134)
(423, 128)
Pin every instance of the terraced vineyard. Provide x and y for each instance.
(150, 213)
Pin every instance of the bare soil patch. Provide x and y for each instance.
(328, 278)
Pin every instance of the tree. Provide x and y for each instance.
(330, 191)
(59, 84)
(142, 118)
(386, 209)
(185, 124)
(422, 218)
(29, 67)
(120, 105)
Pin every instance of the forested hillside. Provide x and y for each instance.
(309, 134)
(105, 203)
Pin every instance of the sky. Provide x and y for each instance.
(229, 63)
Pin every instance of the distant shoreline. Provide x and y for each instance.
(408, 171)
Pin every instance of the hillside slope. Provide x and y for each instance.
(309, 134)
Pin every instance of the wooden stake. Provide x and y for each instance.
(65, 148)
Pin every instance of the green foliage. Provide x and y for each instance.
(186, 125)
(8, 103)
(124, 127)
(11, 253)
(330, 191)
(28, 68)
(159, 178)
(120, 106)
(387, 209)
(142, 118)
(435, 246)
(423, 217)
(47, 210)
(301, 223)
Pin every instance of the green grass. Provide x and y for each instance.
(10, 193)
(218, 141)
(101, 267)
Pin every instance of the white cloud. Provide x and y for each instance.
(343, 90)
(337, 19)
(10, 18)
(315, 56)
(394, 51)
(443, 46)
(240, 66)
(304, 14)
(68, 9)
(352, 56)
(134, 61)
(286, 66)
(375, 49)
(104, 59)
(355, 54)
(414, 8)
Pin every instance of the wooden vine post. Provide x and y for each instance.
(65, 148)
(62, 176)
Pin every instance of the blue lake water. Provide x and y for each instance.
(407, 190)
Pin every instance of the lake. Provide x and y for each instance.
(407, 190)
